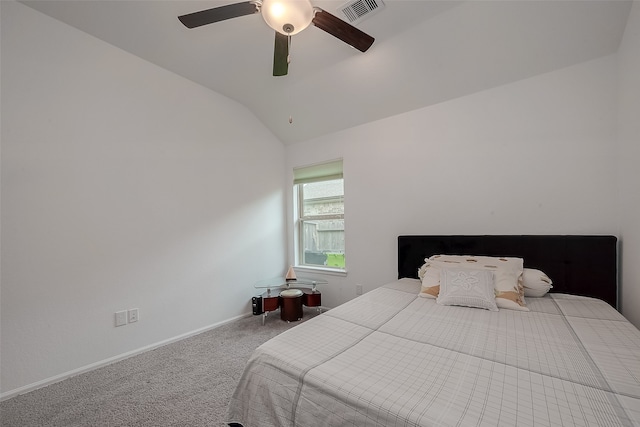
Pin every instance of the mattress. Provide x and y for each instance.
(391, 358)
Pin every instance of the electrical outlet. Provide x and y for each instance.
(121, 318)
(358, 289)
(133, 315)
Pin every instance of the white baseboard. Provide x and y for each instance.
(57, 378)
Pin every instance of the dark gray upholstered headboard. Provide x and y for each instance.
(578, 265)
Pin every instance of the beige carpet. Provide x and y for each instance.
(187, 383)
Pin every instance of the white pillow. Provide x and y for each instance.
(468, 288)
(535, 282)
(507, 276)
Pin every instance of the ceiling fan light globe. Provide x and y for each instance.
(287, 17)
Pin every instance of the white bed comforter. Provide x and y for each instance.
(391, 358)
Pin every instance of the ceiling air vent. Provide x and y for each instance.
(358, 10)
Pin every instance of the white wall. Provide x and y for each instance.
(533, 157)
(123, 186)
(629, 136)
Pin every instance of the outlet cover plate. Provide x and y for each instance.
(121, 318)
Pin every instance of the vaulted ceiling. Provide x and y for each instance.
(425, 52)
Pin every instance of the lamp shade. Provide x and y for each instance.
(291, 275)
(287, 17)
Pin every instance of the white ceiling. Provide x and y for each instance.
(425, 52)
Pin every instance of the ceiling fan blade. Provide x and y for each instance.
(209, 16)
(281, 55)
(342, 30)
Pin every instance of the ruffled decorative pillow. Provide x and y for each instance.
(422, 270)
(430, 280)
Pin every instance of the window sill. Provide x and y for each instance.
(320, 270)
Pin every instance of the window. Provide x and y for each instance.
(320, 215)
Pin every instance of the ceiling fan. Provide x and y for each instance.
(286, 17)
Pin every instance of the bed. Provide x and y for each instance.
(393, 358)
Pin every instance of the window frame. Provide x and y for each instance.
(300, 219)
